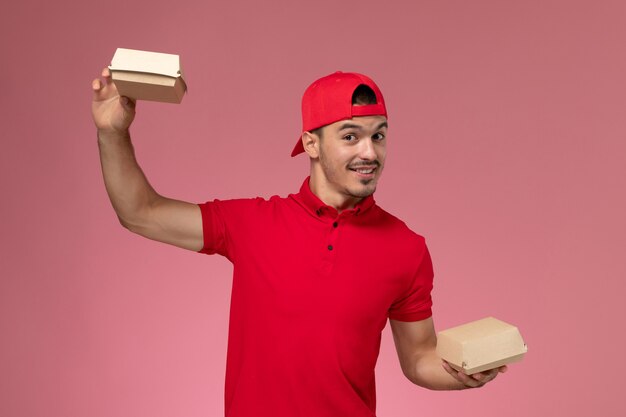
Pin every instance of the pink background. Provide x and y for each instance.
(507, 151)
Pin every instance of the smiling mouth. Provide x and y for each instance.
(364, 171)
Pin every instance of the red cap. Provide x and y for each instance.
(329, 100)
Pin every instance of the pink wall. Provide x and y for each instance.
(507, 151)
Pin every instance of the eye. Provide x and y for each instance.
(349, 137)
(378, 136)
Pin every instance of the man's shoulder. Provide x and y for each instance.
(246, 203)
(397, 226)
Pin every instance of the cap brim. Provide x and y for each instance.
(299, 148)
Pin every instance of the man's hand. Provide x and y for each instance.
(111, 113)
(475, 380)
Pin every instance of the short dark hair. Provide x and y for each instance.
(362, 96)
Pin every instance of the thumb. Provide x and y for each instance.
(128, 113)
(128, 104)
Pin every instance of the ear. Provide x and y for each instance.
(311, 143)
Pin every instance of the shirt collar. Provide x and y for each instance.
(315, 206)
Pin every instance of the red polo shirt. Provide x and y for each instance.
(312, 291)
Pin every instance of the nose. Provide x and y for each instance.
(367, 151)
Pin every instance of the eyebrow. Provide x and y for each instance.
(358, 127)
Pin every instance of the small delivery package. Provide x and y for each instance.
(143, 75)
(481, 345)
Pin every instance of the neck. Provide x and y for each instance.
(329, 195)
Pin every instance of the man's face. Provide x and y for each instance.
(352, 155)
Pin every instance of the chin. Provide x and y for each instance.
(364, 191)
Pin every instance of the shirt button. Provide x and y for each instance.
(330, 247)
(335, 224)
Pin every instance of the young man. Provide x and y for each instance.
(316, 274)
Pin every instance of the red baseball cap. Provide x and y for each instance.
(329, 100)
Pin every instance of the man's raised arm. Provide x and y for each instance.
(138, 206)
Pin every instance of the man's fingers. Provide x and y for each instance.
(447, 367)
(485, 377)
(489, 375)
(99, 90)
(468, 380)
(461, 377)
(475, 380)
(104, 88)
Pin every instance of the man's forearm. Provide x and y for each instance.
(128, 188)
(428, 372)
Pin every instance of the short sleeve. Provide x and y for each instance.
(213, 228)
(229, 225)
(416, 303)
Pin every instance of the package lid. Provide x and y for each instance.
(481, 345)
(146, 62)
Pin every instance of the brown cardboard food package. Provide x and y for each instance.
(143, 75)
(481, 345)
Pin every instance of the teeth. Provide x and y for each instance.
(364, 171)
